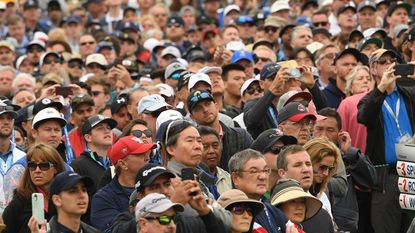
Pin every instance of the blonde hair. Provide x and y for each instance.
(351, 76)
(57, 34)
(319, 148)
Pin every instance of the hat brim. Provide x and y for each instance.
(257, 206)
(155, 176)
(143, 148)
(354, 33)
(313, 205)
(378, 42)
(61, 121)
(112, 123)
(88, 182)
(162, 208)
(157, 106)
(13, 114)
(354, 52)
(302, 94)
(192, 105)
(300, 116)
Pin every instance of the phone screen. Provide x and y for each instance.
(63, 91)
(38, 209)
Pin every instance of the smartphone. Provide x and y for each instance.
(38, 209)
(63, 91)
(404, 69)
(295, 73)
(188, 174)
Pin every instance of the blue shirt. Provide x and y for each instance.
(391, 132)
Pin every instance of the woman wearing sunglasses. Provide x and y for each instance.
(242, 208)
(139, 129)
(43, 163)
(325, 159)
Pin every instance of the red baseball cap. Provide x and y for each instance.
(128, 145)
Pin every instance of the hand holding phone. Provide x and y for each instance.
(63, 91)
(38, 208)
(404, 70)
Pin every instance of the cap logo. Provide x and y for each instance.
(154, 201)
(124, 150)
(121, 100)
(301, 108)
(137, 139)
(46, 101)
(138, 184)
(146, 172)
(73, 174)
(2, 103)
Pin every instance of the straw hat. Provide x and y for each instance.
(289, 189)
(235, 196)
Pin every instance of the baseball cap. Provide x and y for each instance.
(210, 69)
(43, 57)
(168, 115)
(398, 29)
(104, 44)
(48, 114)
(285, 28)
(155, 203)
(117, 104)
(184, 79)
(274, 21)
(263, 42)
(152, 43)
(379, 53)
(230, 8)
(269, 70)
(46, 103)
(171, 50)
(95, 120)
(242, 55)
(279, 6)
(234, 196)
(126, 37)
(366, 4)
(197, 96)
(30, 4)
(148, 173)
(371, 31)
(173, 68)
(81, 99)
(73, 19)
(129, 26)
(399, 4)
(52, 78)
(128, 145)
(290, 95)
(352, 51)
(344, 8)
(246, 84)
(38, 42)
(96, 58)
(66, 180)
(152, 103)
(198, 77)
(7, 107)
(210, 29)
(378, 42)
(165, 89)
(294, 112)
(195, 53)
(355, 33)
(175, 20)
(54, 4)
(409, 34)
(269, 137)
(321, 30)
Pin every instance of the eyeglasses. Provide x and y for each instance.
(303, 122)
(176, 25)
(384, 60)
(35, 49)
(89, 42)
(164, 220)
(251, 90)
(271, 29)
(50, 61)
(320, 24)
(75, 65)
(43, 166)
(239, 210)
(175, 76)
(266, 171)
(276, 149)
(324, 168)
(139, 133)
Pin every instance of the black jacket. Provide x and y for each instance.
(370, 114)
(86, 166)
(333, 94)
(54, 227)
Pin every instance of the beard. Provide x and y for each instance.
(5, 133)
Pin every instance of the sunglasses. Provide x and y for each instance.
(251, 90)
(384, 60)
(75, 65)
(85, 43)
(164, 220)
(43, 166)
(35, 49)
(271, 29)
(50, 61)
(176, 25)
(262, 59)
(276, 149)
(139, 133)
(320, 24)
(175, 76)
(197, 95)
(324, 168)
(239, 210)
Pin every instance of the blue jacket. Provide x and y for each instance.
(333, 94)
(107, 203)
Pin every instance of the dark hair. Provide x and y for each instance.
(331, 112)
(171, 134)
(100, 80)
(206, 130)
(127, 129)
(229, 67)
(296, 51)
(282, 161)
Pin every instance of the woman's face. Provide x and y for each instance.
(18, 138)
(361, 83)
(41, 174)
(303, 59)
(323, 169)
(188, 148)
(138, 129)
(241, 219)
(294, 210)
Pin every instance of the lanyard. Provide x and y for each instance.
(6, 165)
(104, 163)
(68, 147)
(394, 115)
(272, 113)
(269, 219)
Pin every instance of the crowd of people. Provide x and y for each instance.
(223, 116)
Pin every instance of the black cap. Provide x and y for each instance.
(344, 8)
(46, 103)
(263, 42)
(7, 107)
(195, 53)
(285, 28)
(30, 4)
(197, 96)
(81, 99)
(67, 180)
(175, 20)
(269, 70)
(94, 121)
(147, 174)
(409, 35)
(126, 37)
(54, 4)
(269, 137)
(295, 112)
(355, 33)
(399, 4)
(117, 104)
(184, 79)
(350, 51)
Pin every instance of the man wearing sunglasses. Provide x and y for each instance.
(50, 62)
(98, 136)
(155, 213)
(172, 73)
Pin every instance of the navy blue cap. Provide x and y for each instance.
(73, 19)
(197, 96)
(46, 103)
(117, 104)
(67, 180)
(54, 4)
(344, 8)
(129, 26)
(269, 70)
(175, 20)
(30, 4)
(104, 44)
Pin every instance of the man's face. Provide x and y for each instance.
(230, 34)
(153, 226)
(100, 135)
(212, 151)
(234, 82)
(49, 132)
(161, 16)
(218, 86)
(99, 96)
(271, 160)
(34, 52)
(321, 21)
(109, 54)
(31, 14)
(264, 57)
(6, 56)
(322, 38)
(344, 65)
(17, 31)
(205, 112)
(249, 68)
(253, 179)
(6, 79)
(75, 69)
(122, 117)
(162, 184)
(51, 63)
(327, 128)
(6, 125)
(73, 30)
(135, 98)
(325, 63)
(95, 68)
(175, 31)
(87, 44)
(135, 162)
(254, 91)
(23, 98)
(367, 18)
(74, 201)
(304, 37)
(399, 16)
(271, 33)
(127, 48)
(301, 130)
(23, 83)
(81, 114)
(382, 64)
(346, 19)
(369, 49)
(299, 168)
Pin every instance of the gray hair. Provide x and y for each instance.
(282, 161)
(352, 75)
(24, 76)
(8, 68)
(297, 29)
(239, 159)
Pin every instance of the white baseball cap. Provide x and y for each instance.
(198, 77)
(171, 50)
(152, 103)
(230, 8)
(155, 203)
(96, 58)
(167, 116)
(48, 114)
(165, 89)
(279, 6)
(246, 84)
